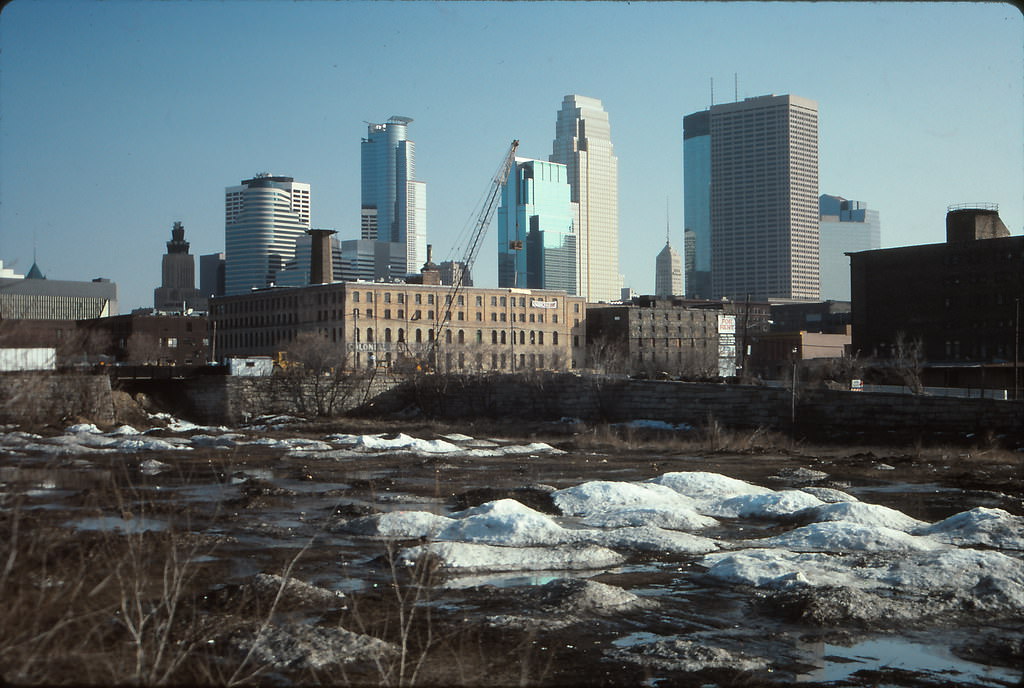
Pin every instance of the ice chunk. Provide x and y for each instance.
(839, 536)
(979, 526)
(707, 489)
(504, 522)
(465, 557)
(398, 524)
(865, 514)
(602, 495)
(767, 505)
(83, 428)
(677, 518)
(649, 539)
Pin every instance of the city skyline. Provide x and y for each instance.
(119, 119)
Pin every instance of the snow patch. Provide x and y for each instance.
(767, 505)
(464, 557)
(840, 536)
(865, 514)
(979, 526)
(707, 489)
(600, 496)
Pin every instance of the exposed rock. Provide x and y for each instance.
(569, 601)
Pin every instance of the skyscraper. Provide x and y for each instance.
(697, 203)
(536, 242)
(394, 203)
(583, 144)
(846, 227)
(265, 216)
(764, 199)
(177, 290)
(668, 272)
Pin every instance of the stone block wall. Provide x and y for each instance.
(44, 397)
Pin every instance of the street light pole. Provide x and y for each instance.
(792, 405)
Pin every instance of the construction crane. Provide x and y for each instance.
(483, 220)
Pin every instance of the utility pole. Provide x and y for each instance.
(1016, 350)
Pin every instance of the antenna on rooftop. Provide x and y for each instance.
(736, 86)
(666, 220)
(712, 91)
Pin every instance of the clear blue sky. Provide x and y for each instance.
(119, 118)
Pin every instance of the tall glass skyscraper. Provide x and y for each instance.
(764, 199)
(846, 227)
(265, 216)
(394, 203)
(583, 144)
(697, 203)
(536, 241)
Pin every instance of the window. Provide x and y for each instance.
(418, 298)
(540, 337)
(401, 314)
(502, 300)
(419, 335)
(369, 297)
(522, 336)
(479, 337)
(401, 335)
(494, 300)
(401, 298)
(494, 317)
(462, 300)
(369, 334)
(479, 301)
(430, 299)
(462, 337)
(462, 315)
(387, 297)
(447, 336)
(554, 338)
(494, 336)
(387, 314)
(503, 342)
(576, 307)
(479, 316)
(387, 334)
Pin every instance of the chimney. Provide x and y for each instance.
(430, 273)
(321, 263)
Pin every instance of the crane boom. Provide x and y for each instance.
(476, 239)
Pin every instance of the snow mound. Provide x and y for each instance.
(504, 522)
(153, 467)
(677, 654)
(979, 526)
(707, 489)
(829, 495)
(918, 573)
(79, 428)
(397, 524)
(599, 496)
(226, 441)
(133, 445)
(649, 539)
(767, 505)
(123, 430)
(865, 514)
(464, 557)
(566, 601)
(840, 536)
(295, 592)
(304, 647)
(403, 442)
(680, 518)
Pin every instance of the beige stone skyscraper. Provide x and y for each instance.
(764, 199)
(583, 144)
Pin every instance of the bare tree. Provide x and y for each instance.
(908, 359)
(143, 348)
(318, 378)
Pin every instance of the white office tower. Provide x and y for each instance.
(583, 144)
(764, 199)
(265, 216)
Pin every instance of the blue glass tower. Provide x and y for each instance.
(393, 202)
(536, 237)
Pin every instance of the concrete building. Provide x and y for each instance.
(825, 317)
(177, 290)
(764, 199)
(452, 270)
(536, 240)
(150, 338)
(36, 298)
(211, 274)
(949, 304)
(583, 144)
(846, 227)
(394, 202)
(697, 204)
(653, 337)
(265, 216)
(668, 272)
(402, 325)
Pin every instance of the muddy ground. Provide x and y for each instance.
(238, 565)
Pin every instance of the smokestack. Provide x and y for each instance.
(321, 263)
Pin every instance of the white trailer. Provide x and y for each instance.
(39, 358)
